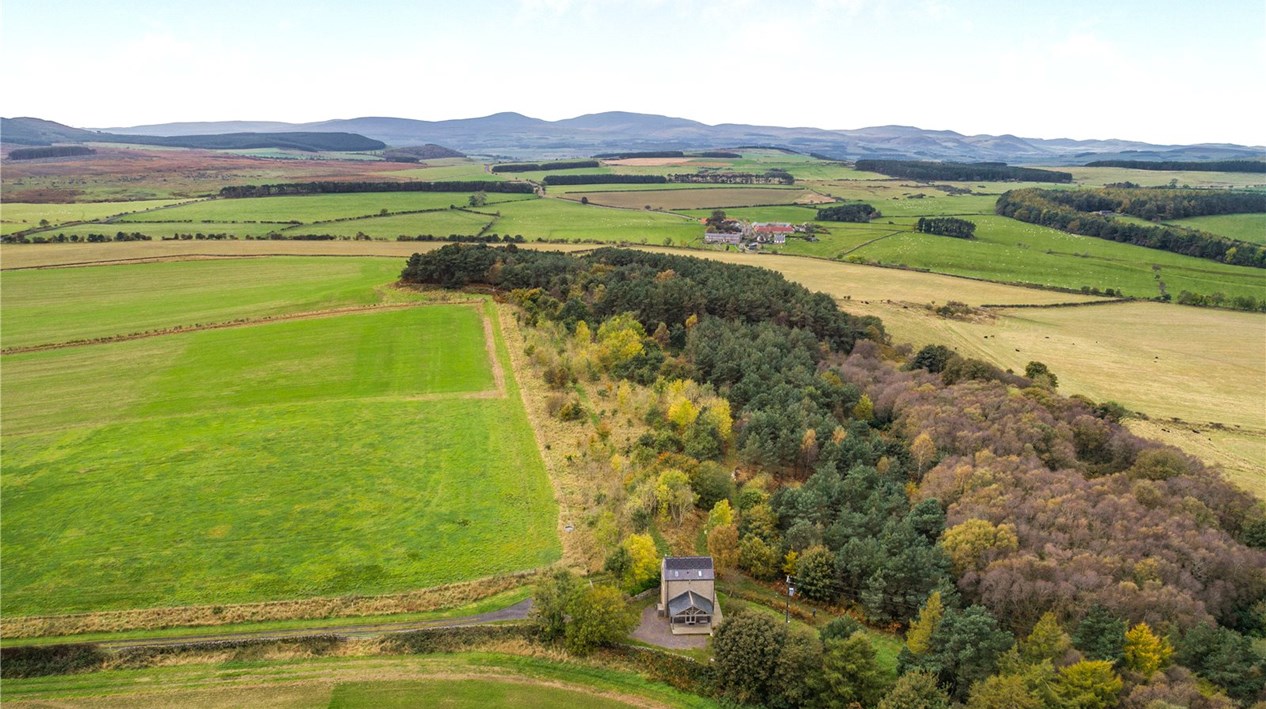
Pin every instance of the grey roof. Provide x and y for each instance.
(687, 600)
(681, 568)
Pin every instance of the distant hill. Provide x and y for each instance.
(517, 136)
(35, 131)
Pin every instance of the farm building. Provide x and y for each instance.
(712, 237)
(769, 232)
(687, 594)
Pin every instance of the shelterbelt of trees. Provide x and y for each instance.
(538, 166)
(1076, 211)
(1207, 166)
(961, 172)
(238, 191)
(972, 505)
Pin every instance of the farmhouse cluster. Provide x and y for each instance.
(751, 232)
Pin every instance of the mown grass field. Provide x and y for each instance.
(1245, 227)
(674, 199)
(17, 216)
(315, 208)
(1008, 250)
(283, 460)
(481, 677)
(563, 219)
(441, 224)
(54, 305)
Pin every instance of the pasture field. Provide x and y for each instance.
(1009, 250)
(446, 169)
(315, 208)
(1100, 176)
(168, 230)
(468, 679)
(268, 462)
(17, 216)
(1245, 227)
(441, 223)
(564, 219)
(52, 305)
(675, 199)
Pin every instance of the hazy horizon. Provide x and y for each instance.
(1158, 72)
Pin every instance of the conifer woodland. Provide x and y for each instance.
(1036, 552)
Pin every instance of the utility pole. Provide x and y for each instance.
(791, 591)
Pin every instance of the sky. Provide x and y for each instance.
(1162, 71)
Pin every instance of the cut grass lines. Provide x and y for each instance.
(268, 462)
(59, 305)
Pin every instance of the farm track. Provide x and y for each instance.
(518, 611)
(245, 322)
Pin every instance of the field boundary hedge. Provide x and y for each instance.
(429, 599)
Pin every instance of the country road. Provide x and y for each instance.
(518, 611)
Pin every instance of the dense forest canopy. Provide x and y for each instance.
(1201, 166)
(946, 226)
(54, 151)
(854, 212)
(932, 490)
(539, 166)
(1089, 212)
(961, 172)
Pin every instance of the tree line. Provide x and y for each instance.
(946, 226)
(855, 212)
(1253, 166)
(539, 166)
(53, 151)
(604, 180)
(770, 177)
(1086, 212)
(961, 172)
(295, 188)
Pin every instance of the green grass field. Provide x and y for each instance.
(1245, 227)
(17, 216)
(283, 460)
(564, 219)
(1009, 250)
(474, 679)
(460, 694)
(59, 305)
(674, 199)
(314, 208)
(160, 230)
(442, 223)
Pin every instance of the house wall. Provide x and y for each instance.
(672, 589)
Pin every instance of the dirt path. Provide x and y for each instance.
(490, 344)
(518, 611)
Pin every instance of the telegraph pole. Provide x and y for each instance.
(791, 591)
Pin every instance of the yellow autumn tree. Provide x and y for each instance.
(620, 340)
(919, 636)
(723, 545)
(682, 413)
(721, 515)
(969, 544)
(864, 410)
(644, 558)
(1146, 652)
